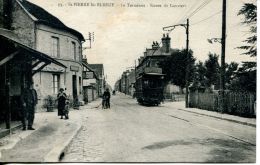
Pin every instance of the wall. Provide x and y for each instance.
(44, 36)
(23, 26)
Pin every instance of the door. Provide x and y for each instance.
(74, 86)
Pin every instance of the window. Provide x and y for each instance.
(55, 47)
(55, 83)
(73, 50)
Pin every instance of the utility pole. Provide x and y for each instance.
(186, 26)
(187, 66)
(223, 49)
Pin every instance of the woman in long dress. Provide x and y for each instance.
(61, 103)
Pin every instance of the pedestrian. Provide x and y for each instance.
(29, 100)
(106, 97)
(61, 97)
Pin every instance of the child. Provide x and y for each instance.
(66, 110)
(104, 102)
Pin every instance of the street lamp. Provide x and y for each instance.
(186, 26)
(211, 40)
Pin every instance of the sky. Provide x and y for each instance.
(121, 34)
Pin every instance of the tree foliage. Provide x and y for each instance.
(230, 72)
(174, 67)
(212, 70)
(249, 11)
(245, 78)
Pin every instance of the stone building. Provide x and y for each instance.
(19, 62)
(45, 33)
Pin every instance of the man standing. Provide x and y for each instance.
(107, 95)
(29, 101)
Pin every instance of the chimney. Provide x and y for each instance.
(85, 60)
(166, 43)
(5, 14)
(155, 45)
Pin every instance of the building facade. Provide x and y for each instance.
(90, 83)
(101, 84)
(19, 62)
(42, 31)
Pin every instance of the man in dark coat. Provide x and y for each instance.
(29, 100)
(61, 97)
(107, 96)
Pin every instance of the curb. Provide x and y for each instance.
(56, 154)
(231, 120)
(7, 132)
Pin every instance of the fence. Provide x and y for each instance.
(236, 103)
(174, 97)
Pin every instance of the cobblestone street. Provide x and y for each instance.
(129, 132)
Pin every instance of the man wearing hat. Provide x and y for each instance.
(29, 100)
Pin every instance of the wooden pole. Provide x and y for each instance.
(187, 67)
(223, 48)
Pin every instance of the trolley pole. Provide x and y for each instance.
(223, 48)
(186, 26)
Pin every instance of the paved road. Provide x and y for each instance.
(129, 132)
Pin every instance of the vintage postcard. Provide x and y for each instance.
(125, 81)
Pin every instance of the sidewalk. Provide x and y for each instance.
(241, 120)
(48, 142)
(180, 105)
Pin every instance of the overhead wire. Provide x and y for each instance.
(199, 8)
(205, 19)
(193, 6)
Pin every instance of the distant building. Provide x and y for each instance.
(99, 70)
(38, 29)
(151, 59)
(130, 82)
(90, 83)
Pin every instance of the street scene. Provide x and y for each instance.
(129, 132)
(128, 81)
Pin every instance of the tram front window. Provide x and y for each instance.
(155, 83)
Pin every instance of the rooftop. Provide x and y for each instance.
(46, 18)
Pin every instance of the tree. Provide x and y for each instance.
(245, 78)
(199, 75)
(174, 67)
(249, 11)
(212, 70)
(230, 71)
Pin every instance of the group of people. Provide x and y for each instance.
(106, 99)
(29, 101)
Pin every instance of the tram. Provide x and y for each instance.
(149, 88)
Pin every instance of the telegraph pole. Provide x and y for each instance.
(223, 49)
(186, 26)
(187, 66)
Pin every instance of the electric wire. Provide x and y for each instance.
(195, 11)
(199, 8)
(193, 6)
(205, 19)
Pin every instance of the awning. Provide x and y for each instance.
(39, 60)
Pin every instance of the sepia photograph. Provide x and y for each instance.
(128, 81)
